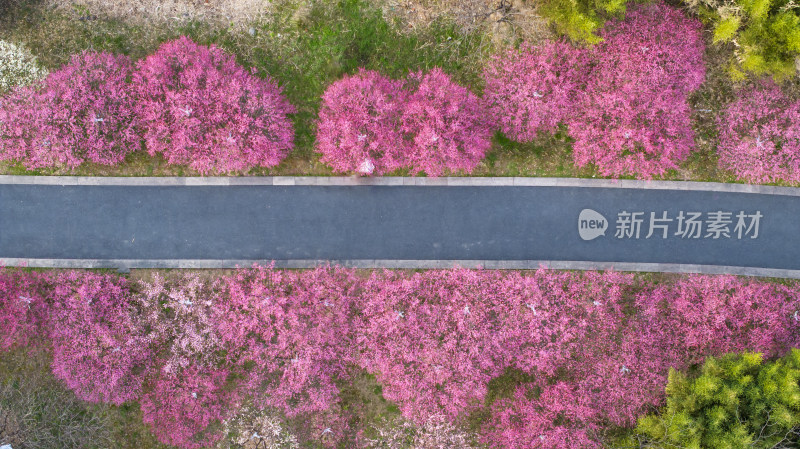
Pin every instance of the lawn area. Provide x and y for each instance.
(306, 45)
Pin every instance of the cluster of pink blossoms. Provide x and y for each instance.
(83, 112)
(180, 407)
(760, 135)
(358, 122)
(23, 308)
(306, 318)
(191, 103)
(99, 345)
(370, 124)
(531, 90)
(199, 108)
(593, 349)
(624, 101)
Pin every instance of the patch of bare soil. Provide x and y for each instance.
(503, 20)
(10, 430)
(237, 12)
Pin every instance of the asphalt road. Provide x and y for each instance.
(267, 222)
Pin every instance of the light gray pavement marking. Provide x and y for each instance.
(513, 223)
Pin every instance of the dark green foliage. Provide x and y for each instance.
(737, 401)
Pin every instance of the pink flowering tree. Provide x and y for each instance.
(194, 390)
(23, 307)
(15, 117)
(634, 117)
(553, 314)
(197, 107)
(521, 422)
(82, 112)
(436, 339)
(760, 135)
(293, 329)
(186, 408)
(714, 315)
(179, 313)
(444, 125)
(533, 89)
(567, 329)
(101, 349)
(432, 339)
(359, 121)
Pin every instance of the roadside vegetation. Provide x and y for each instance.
(263, 358)
(307, 46)
(336, 357)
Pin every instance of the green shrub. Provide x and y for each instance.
(579, 19)
(765, 33)
(736, 401)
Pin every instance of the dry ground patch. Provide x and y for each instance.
(237, 12)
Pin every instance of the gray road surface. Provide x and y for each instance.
(400, 225)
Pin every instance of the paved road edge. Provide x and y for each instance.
(128, 264)
(399, 181)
